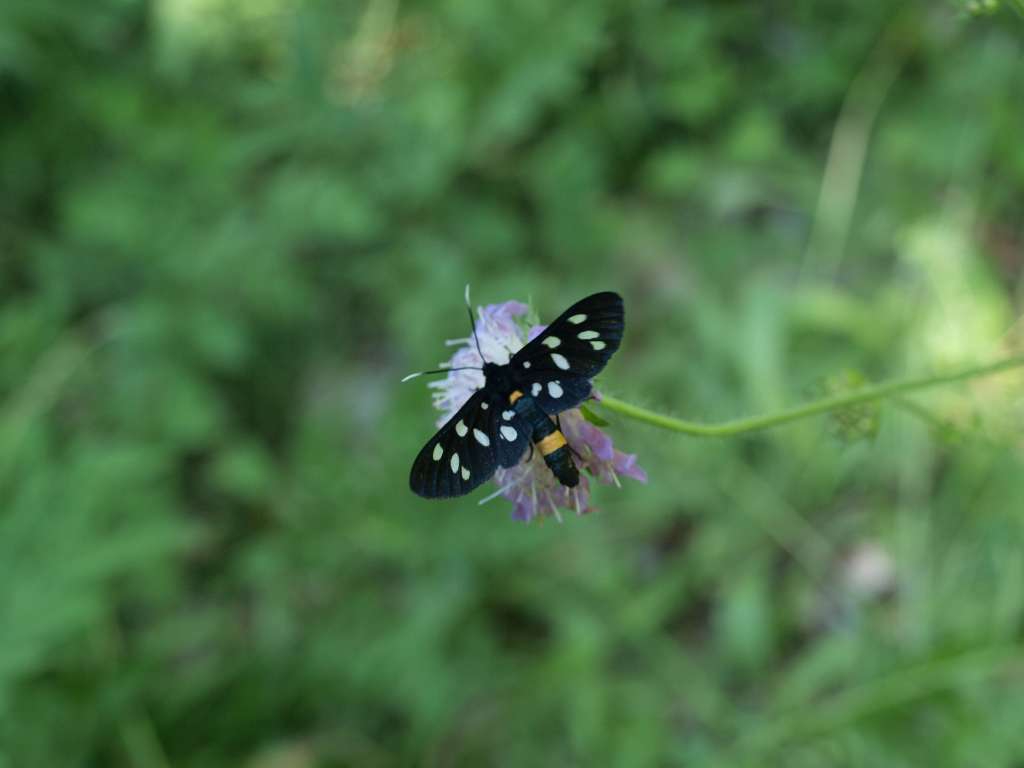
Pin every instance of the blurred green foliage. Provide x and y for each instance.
(227, 229)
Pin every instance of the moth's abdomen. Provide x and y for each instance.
(549, 441)
(555, 450)
(560, 463)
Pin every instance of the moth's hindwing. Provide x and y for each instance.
(554, 394)
(462, 455)
(556, 367)
(513, 433)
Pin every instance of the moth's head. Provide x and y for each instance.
(491, 371)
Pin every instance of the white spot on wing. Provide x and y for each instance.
(535, 389)
(509, 433)
(555, 389)
(507, 415)
(526, 363)
(485, 406)
(598, 345)
(560, 360)
(461, 428)
(588, 335)
(438, 452)
(465, 474)
(481, 438)
(551, 342)
(455, 463)
(577, 319)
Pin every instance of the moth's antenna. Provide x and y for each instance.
(472, 327)
(440, 370)
(472, 324)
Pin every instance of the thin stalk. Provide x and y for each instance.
(857, 396)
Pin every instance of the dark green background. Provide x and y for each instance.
(228, 229)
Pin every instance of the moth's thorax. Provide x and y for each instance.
(497, 377)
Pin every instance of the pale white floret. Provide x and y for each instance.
(481, 438)
(496, 494)
(461, 429)
(560, 361)
(588, 335)
(509, 433)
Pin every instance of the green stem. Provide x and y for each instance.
(865, 394)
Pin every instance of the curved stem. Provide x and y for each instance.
(865, 394)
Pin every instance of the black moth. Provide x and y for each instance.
(515, 407)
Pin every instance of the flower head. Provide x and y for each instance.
(530, 485)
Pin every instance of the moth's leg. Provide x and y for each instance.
(530, 457)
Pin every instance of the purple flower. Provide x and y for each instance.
(531, 486)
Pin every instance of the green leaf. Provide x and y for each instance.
(592, 417)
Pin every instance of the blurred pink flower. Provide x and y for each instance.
(530, 485)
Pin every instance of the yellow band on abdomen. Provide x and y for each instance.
(551, 443)
(514, 396)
